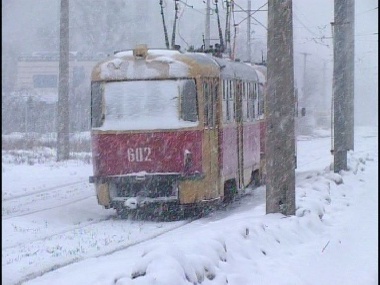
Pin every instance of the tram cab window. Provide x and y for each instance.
(144, 104)
(207, 105)
(189, 101)
(97, 114)
(210, 91)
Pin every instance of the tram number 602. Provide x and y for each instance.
(139, 154)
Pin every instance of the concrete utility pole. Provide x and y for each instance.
(350, 72)
(63, 142)
(340, 86)
(249, 31)
(207, 28)
(279, 111)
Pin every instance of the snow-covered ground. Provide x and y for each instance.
(54, 232)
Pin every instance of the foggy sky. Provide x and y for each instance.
(26, 22)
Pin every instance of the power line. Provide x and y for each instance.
(318, 37)
(303, 25)
(365, 12)
(179, 18)
(192, 7)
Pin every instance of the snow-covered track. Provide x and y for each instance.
(41, 191)
(32, 253)
(81, 226)
(46, 209)
(46, 199)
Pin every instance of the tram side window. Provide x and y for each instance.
(224, 101)
(229, 105)
(245, 105)
(231, 99)
(189, 101)
(215, 92)
(226, 109)
(261, 100)
(97, 114)
(207, 103)
(250, 102)
(253, 94)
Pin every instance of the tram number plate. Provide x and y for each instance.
(139, 154)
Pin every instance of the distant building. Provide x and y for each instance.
(36, 93)
(39, 73)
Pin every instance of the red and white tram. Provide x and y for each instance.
(173, 130)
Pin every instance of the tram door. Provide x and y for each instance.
(211, 139)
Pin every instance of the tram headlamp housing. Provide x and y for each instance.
(188, 160)
(140, 51)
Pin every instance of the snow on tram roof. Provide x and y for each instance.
(151, 52)
(120, 67)
(162, 63)
(260, 74)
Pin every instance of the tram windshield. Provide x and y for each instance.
(153, 104)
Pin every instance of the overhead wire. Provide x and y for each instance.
(315, 35)
(365, 12)
(179, 21)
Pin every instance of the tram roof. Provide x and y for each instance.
(161, 63)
